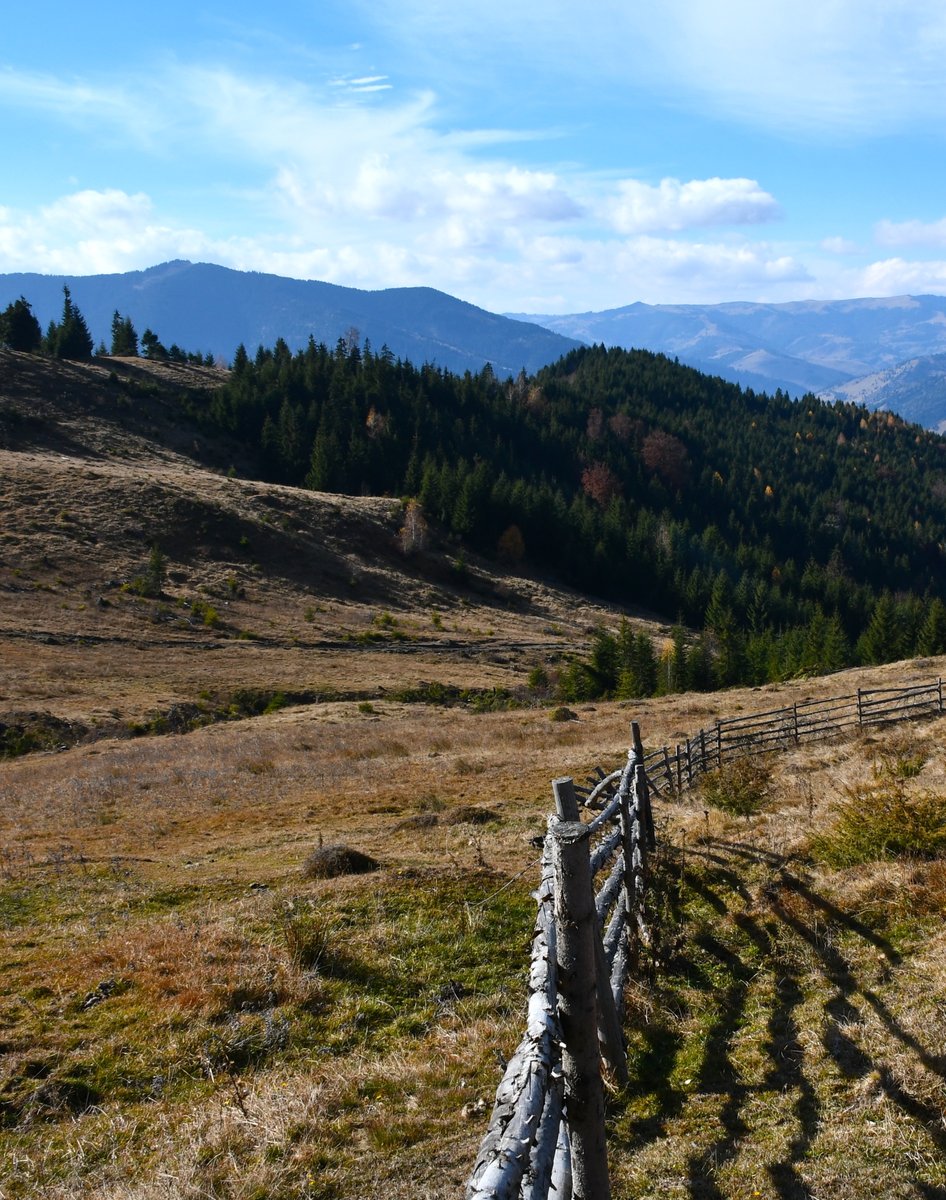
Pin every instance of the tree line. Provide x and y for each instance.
(776, 537)
(792, 537)
(69, 337)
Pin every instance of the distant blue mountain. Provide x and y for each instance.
(806, 346)
(202, 307)
(916, 389)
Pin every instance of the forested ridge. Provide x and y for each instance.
(798, 536)
(787, 536)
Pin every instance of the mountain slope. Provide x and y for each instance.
(203, 307)
(916, 389)
(806, 346)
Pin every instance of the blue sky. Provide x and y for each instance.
(523, 156)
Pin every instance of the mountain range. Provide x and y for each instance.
(885, 353)
(825, 347)
(202, 307)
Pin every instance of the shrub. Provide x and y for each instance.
(329, 862)
(469, 814)
(740, 787)
(880, 820)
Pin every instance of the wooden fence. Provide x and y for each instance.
(546, 1135)
(678, 769)
(584, 943)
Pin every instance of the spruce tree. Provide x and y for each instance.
(19, 329)
(71, 338)
(124, 337)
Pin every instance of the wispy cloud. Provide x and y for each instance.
(818, 67)
(364, 85)
(81, 102)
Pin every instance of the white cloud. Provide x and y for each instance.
(898, 277)
(503, 266)
(911, 233)
(672, 206)
(92, 232)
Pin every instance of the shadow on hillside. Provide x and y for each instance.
(781, 941)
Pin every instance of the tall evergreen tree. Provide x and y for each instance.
(152, 346)
(124, 337)
(70, 338)
(19, 329)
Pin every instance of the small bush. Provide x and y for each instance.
(562, 714)
(422, 820)
(880, 820)
(469, 814)
(205, 613)
(740, 787)
(329, 862)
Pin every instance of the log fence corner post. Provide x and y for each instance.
(576, 921)
(940, 686)
(860, 707)
(719, 744)
(608, 1024)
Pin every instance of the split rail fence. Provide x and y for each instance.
(546, 1135)
(780, 728)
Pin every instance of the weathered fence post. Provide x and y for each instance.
(610, 1035)
(860, 708)
(576, 931)
(719, 743)
(940, 694)
(643, 788)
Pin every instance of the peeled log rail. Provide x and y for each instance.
(518, 1137)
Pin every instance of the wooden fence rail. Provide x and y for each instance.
(546, 1134)
(677, 769)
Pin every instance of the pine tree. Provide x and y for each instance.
(70, 338)
(124, 337)
(880, 641)
(152, 346)
(19, 329)
(931, 638)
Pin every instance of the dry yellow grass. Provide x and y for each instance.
(185, 1014)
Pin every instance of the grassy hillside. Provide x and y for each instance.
(190, 1008)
